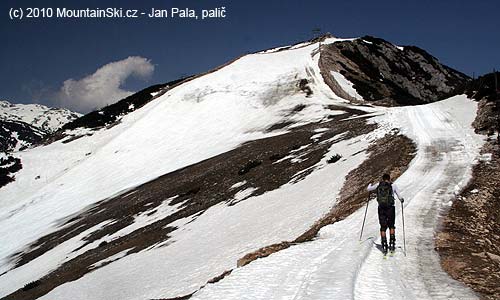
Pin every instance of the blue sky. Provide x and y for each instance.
(38, 55)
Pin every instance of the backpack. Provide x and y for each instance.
(385, 196)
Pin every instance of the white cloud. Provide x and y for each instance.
(104, 86)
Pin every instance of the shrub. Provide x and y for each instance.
(334, 158)
(31, 285)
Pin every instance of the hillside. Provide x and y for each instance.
(165, 193)
(469, 242)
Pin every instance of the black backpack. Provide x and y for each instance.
(385, 197)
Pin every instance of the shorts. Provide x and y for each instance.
(386, 217)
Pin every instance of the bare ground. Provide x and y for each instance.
(391, 154)
(469, 242)
(260, 164)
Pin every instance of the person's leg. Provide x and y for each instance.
(382, 218)
(392, 230)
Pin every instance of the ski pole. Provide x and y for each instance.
(404, 236)
(366, 210)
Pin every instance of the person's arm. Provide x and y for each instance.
(372, 187)
(395, 190)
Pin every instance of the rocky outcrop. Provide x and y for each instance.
(387, 74)
(483, 90)
(18, 135)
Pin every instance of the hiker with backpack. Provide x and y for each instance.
(386, 190)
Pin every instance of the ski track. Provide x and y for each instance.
(336, 266)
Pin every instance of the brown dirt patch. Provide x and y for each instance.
(391, 154)
(195, 188)
(469, 242)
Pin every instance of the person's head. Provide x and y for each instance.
(386, 177)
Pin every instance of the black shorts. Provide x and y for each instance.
(386, 217)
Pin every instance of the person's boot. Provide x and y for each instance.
(384, 244)
(392, 243)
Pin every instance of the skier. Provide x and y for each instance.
(386, 211)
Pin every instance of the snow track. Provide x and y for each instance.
(337, 266)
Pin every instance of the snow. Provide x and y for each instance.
(39, 116)
(213, 114)
(243, 194)
(206, 116)
(214, 242)
(332, 40)
(42, 265)
(110, 259)
(145, 218)
(326, 41)
(346, 85)
(486, 157)
(238, 184)
(336, 266)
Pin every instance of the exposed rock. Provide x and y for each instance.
(386, 74)
(9, 165)
(482, 89)
(16, 135)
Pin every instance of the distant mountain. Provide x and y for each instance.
(45, 118)
(22, 125)
(25, 125)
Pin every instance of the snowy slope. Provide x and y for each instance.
(190, 123)
(42, 117)
(337, 266)
(197, 120)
